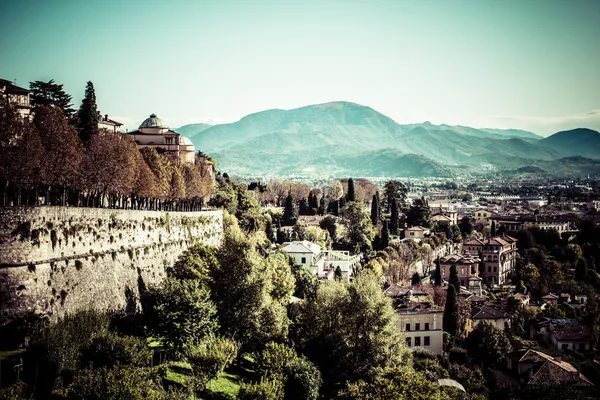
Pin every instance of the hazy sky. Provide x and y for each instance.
(524, 64)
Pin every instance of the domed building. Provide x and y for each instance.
(154, 132)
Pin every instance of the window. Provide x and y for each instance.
(581, 346)
(417, 327)
(408, 341)
(169, 140)
(565, 346)
(489, 268)
(426, 340)
(303, 260)
(407, 327)
(427, 326)
(495, 269)
(418, 341)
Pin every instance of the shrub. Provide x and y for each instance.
(265, 389)
(303, 380)
(209, 358)
(110, 349)
(122, 382)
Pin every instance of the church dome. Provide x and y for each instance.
(153, 122)
(185, 141)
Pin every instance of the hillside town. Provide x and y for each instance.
(468, 287)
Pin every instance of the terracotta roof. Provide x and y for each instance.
(552, 370)
(396, 290)
(414, 307)
(498, 240)
(574, 333)
(473, 242)
(441, 218)
(509, 239)
(488, 312)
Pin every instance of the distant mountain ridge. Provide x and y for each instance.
(343, 138)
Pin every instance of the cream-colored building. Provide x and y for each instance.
(17, 96)
(109, 124)
(421, 324)
(416, 233)
(499, 256)
(154, 132)
(467, 267)
(483, 217)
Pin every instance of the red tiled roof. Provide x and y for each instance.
(488, 312)
(577, 333)
(553, 370)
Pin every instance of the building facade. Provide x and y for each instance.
(155, 133)
(499, 256)
(467, 268)
(109, 124)
(421, 324)
(17, 96)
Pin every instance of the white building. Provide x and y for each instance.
(154, 132)
(109, 124)
(306, 253)
(417, 233)
(421, 324)
(342, 259)
(323, 263)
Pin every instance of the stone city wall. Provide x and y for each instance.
(55, 260)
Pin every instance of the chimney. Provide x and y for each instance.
(106, 117)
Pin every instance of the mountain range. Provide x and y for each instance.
(347, 139)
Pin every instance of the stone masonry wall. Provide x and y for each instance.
(55, 260)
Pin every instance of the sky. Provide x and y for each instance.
(529, 64)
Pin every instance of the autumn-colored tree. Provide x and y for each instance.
(145, 185)
(63, 149)
(177, 187)
(110, 165)
(159, 166)
(22, 153)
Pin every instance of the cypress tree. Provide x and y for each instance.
(336, 207)
(493, 232)
(438, 273)
(385, 235)
(289, 214)
(394, 218)
(450, 321)
(88, 114)
(454, 281)
(322, 207)
(351, 196)
(280, 238)
(303, 207)
(374, 211)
